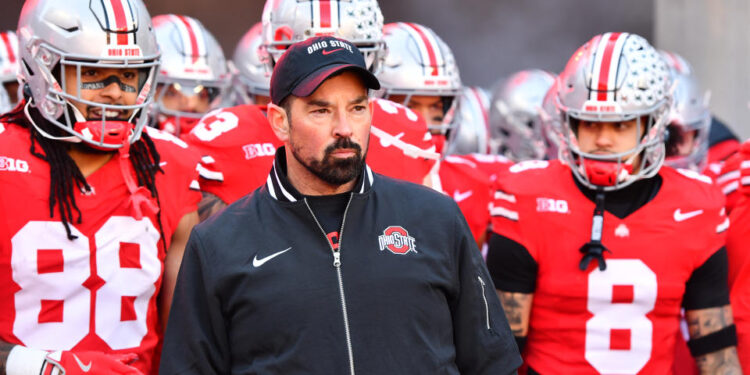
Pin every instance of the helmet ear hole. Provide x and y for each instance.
(26, 91)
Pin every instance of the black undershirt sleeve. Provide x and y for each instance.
(707, 286)
(511, 266)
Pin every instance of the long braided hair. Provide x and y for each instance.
(66, 177)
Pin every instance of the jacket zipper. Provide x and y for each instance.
(337, 265)
(486, 306)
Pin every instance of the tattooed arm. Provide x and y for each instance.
(517, 308)
(705, 321)
(209, 205)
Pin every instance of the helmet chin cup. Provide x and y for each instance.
(106, 132)
(606, 173)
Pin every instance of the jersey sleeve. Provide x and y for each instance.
(511, 266)
(707, 286)
(507, 214)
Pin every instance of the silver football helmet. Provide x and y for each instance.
(193, 64)
(8, 70)
(359, 21)
(615, 77)
(472, 134)
(690, 118)
(419, 63)
(57, 35)
(515, 117)
(251, 64)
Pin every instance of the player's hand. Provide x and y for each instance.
(89, 363)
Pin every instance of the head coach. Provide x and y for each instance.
(330, 268)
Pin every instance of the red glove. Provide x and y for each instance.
(89, 363)
(28, 361)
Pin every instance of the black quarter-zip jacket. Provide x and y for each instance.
(261, 289)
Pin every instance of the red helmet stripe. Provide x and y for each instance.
(606, 65)
(427, 46)
(325, 13)
(121, 24)
(8, 48)
(193, 39)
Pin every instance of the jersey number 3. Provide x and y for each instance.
(67, 291)
(619, 335)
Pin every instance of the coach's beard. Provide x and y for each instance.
(336, 171)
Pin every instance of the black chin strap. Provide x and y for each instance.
(594, 249)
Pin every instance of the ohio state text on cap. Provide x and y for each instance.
(306, 64)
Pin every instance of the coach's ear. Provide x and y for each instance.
(279, 121)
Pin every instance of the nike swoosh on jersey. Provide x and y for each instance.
(386, 142)
(259, 262)
(331, 51)
(83, 367)
(680, 216)
(459, 196)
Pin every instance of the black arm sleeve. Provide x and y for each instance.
(195, 341)
(511, 266)
(707, 286)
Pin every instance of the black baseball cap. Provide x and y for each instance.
(306, 64)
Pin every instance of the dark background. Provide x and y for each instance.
(490, 38)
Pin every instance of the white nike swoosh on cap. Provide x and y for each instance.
(259, 262)
(679, 216)
(83, 367)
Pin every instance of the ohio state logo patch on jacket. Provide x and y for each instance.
(397, 240)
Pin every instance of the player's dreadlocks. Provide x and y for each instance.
(65, 177)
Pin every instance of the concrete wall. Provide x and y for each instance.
(715, 37)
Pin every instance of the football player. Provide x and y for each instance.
(193, 77)
(251, 69)
(689, 119)
(238, 144)
(421, 73)
(8, 70)
(515, 121)
(96, 210)
(739, 262)
(594, 254)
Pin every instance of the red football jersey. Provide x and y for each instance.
(734, 175)
(99, 291)
(238, 146)
(460, 179)
(722, 150)
(625, 319)
(738, 251)
(491, 165)
(400, 144)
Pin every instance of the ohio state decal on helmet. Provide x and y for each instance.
(397, 240)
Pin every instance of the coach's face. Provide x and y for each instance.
(328, 131)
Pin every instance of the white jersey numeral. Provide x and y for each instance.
(57, 284)
(619, 335)
(213, 125)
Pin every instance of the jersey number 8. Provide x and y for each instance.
(619, 335)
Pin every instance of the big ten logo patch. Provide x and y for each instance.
(255, 150)
(552, 205)
(13, 165)
(397, 240)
